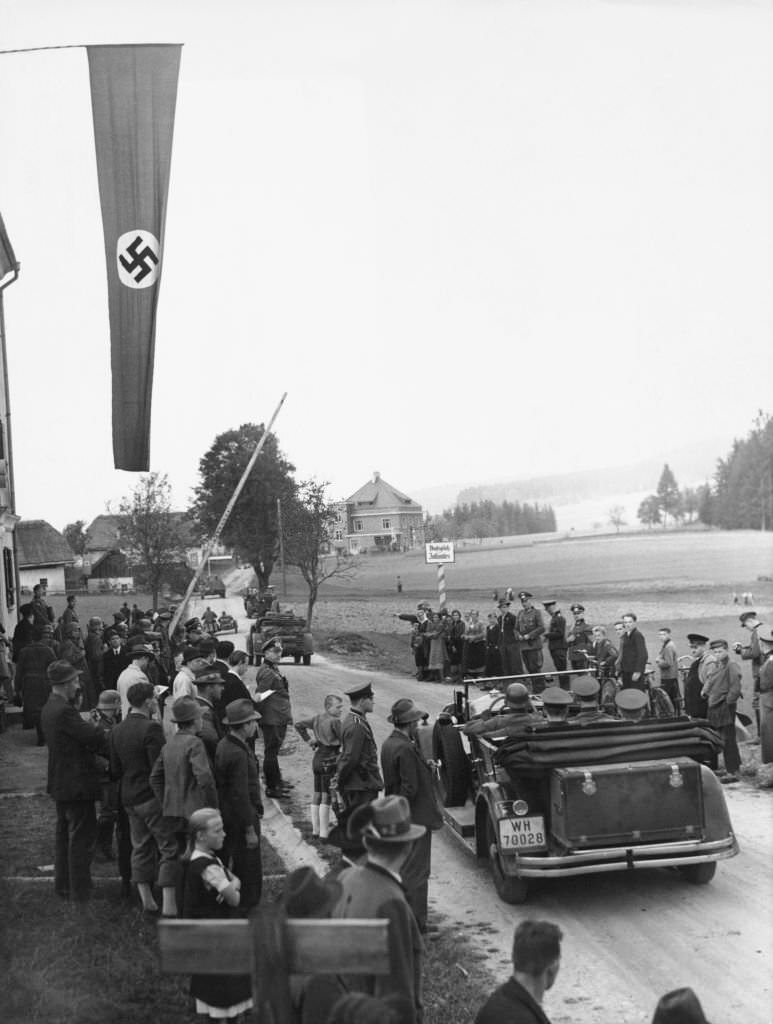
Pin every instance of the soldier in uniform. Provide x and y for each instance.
(556, 638)
(510, 654)
(752, 652)
(273, 695)
(698, 674)
(555, 703)
(529, 628)
(358, 779)
(631, 703)
(517, 715)
(579, 638)
(586, 689)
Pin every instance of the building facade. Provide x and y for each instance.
(377, 518)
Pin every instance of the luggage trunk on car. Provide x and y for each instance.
(631, 803)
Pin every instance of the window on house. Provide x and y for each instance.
(358, 524)
(338, 535)
(386, 524)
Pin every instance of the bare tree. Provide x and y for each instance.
(616, 517)
(308, 522)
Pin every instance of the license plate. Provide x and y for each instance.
(522, 833)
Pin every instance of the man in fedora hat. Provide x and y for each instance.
(184, 684)
(358, 779)
(182, 777)
(74, 780)
(238, 787)
(273, 693)
(374, 890)
(139, 654)
(407, 774)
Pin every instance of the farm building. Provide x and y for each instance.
(43, 555)
(378, 517)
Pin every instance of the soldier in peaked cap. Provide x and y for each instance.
(529, 628)
(580, 638)
(407, 774)
(631, 704)
(698, 674)
(358, 779)
(555, 634)
(586, 689)
(273, 693)
(556, 704)
(752, 652)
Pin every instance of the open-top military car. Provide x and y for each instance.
(559, 800)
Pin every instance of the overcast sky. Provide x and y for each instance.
(472, 239)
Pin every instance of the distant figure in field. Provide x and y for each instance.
(399, 585)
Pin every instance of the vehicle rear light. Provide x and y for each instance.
(520, 807)
(589, 787)
(675, 779)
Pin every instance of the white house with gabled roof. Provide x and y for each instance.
(378, 517)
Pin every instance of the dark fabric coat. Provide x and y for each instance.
(31, 680)
(511, 1004)
(358, 761)
(633, 652)
(407, 774)
(112, 666)
(73, 773)
(238, 784)
(274, 710)
(135, 745)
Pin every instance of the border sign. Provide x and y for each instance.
(439, 552)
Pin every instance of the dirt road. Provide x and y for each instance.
(627, 938)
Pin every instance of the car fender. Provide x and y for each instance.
(488, 797)
(715, 812)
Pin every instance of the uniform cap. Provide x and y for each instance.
(697, 638)
(517, 695)
(585, 686)
(192, 624)
(549, 604)
(359, 692)
(554, 695)
(209, 677)
(387, 819)
(523, 594)
(577, 608)
(746, 615)
(189, 653)
(404, 711)
(273, 642)
(503, 603)
(719, 645)
(631, 699)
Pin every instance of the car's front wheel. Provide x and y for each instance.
(511, 890)
(699, 874)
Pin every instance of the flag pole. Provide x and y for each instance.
(207, 551)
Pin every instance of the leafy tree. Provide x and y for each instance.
(649, 511)
(151, 533)
(668, 494)
(76, 536)
(706, 504)
(616, 517)
(690, 502)
(253, 527)
(307, 525)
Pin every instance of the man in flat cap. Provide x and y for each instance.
(555, 634)
(698, 674)
(722, 691)
(586, 689)
(407, 774)
(273, 695)
(529, 628)
(357, 777)
(752, 652)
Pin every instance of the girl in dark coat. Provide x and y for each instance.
(212, 891)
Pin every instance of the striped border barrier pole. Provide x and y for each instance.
(441, 586)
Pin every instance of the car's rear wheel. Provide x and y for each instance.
(453, 777)
(297, 659)
(511, 890)
(307, 659)
(699, 874)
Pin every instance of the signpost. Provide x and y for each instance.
(440, 553)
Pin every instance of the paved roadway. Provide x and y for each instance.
(627, 938)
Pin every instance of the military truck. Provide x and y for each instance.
(297, 641)
(567, 800)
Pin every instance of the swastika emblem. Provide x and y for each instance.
(138, 259)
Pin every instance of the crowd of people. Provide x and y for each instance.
(706, 683)
(152, 759)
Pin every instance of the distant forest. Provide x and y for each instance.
(740, 497)
(478, 519)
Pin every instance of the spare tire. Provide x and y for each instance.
(454, 776)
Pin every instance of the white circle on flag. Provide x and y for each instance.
(138, 258)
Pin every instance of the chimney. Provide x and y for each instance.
(376, 476)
